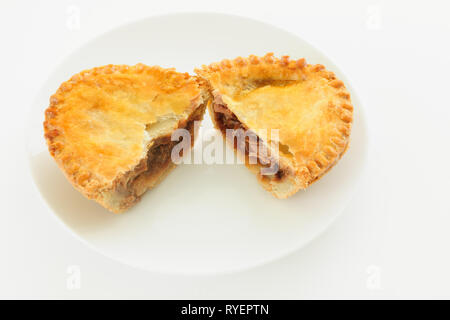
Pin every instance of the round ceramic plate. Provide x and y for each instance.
(201, 218)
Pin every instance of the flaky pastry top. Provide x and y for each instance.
(96, 123)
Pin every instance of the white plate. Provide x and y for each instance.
(201, 218)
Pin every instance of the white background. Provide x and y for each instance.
(393, 239)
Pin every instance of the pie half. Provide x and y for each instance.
(109, 128)
(308, 105)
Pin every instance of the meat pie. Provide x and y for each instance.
(308, 105)
(109, 128)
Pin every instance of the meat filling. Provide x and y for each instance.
(228, 120)
(159, 156)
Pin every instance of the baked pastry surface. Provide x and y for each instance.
(309, 106)
(109, 128)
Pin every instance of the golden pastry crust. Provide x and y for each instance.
(101, 123)
(308, 104)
